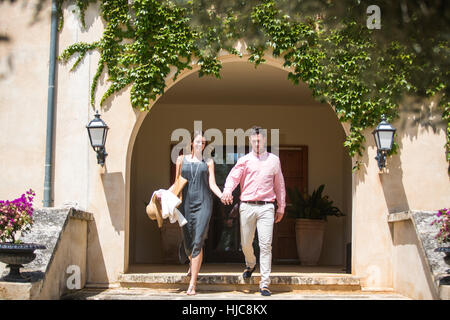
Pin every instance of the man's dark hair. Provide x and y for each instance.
(257, 130)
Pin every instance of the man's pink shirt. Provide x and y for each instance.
(260, 177)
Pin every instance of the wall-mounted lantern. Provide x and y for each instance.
(97, 130)
(384, 138)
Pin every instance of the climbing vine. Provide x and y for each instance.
(342, 60)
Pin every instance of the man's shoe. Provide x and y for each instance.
(248, 272)
(265, 291)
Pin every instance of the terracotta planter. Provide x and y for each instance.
(309, 236)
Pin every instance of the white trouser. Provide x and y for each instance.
(260, 217)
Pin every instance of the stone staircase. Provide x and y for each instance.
(225, 282)
(228, 277)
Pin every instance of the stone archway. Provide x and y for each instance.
(227, 60)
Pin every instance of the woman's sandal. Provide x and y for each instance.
(191, 290)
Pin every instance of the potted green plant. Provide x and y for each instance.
(16, 216)
(310, 213)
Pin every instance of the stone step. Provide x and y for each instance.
(211, 278)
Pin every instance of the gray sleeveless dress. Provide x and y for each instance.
(196, 206)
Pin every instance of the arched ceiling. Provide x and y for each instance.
(242, 84)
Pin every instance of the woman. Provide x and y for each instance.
(197, 203)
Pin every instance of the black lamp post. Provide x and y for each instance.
(384, 138)
(97, 130)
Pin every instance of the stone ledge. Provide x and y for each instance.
(19, 291)
(407, 215)
(421, 220)
(82, 215)
(444, 292)
(49, 225)
(399, 216)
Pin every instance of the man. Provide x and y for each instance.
(259, 174)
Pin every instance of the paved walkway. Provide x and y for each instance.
(175, 294)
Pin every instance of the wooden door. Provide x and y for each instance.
(294, 165)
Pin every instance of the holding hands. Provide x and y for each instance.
(227, 198)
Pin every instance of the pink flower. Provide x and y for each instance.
(16, 215)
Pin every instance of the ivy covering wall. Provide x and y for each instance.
(362, 72)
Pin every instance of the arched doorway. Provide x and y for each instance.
(243, 97)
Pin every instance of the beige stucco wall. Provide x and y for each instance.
(70, 251)
(23, 98)
(96, 189)
(410, 269)
(313, 126)
(416, 178)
